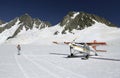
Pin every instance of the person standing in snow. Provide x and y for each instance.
(19, 49)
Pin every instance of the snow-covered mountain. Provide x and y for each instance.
(81, 20)
(98, 31)
(14, 27)
(76, 25)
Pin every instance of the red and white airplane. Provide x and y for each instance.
(84, 48)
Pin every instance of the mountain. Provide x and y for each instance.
(28, 22)
(1, 22)
(81, 20)
(80, 25)
(15, 26)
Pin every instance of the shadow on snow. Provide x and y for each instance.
(80, 56)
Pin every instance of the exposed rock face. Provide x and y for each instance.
(80, 20)
(1, 22)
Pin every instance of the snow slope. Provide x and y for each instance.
(98, 31)
(8, 32)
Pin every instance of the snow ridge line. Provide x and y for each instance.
(42, 68)
(20, 67)
(61, 68)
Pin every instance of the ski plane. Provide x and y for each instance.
(81, 48)
(86, 49)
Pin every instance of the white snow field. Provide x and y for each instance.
(50, 61)
(40, 58)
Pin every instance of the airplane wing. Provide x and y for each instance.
(96, 43)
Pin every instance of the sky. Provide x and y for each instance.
(54, 10)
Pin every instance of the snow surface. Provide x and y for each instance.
(3, 25)
(77, 13)
(49, 61)
(40, 58)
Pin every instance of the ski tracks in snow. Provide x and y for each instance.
(31, 70)
(20, 67)
(36, 68)
(53, 69)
